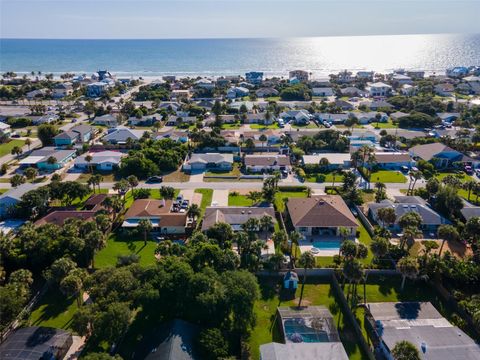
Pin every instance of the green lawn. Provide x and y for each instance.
(108, 177)
(54, 310)
(388, 176)
(463, 177)
(328, 177)
(311, 125)
(5, 149)
(234, 172)
(264, 127)
(388, 289)
(238, 200)
(267, 330)
(281, 195)
(207, 195)
(272, 98)
(385, 125)
(234, 126)
(124, 245)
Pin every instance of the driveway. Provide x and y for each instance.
(220, 197)
(196, 177)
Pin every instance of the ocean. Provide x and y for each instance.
(213, 57)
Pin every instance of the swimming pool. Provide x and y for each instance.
(327, 244)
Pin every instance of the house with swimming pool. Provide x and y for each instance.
(321, 216)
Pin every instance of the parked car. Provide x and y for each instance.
(154, 180)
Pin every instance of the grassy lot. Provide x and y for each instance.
(281, 195)
(154, 194)
(54, 310)
(328, 177)
(385, 125)
(2, 191)
(176, 176)
(207, 195)
(264, 127)
(5, 149)
(272, 98)
(234, 126)
(388, 176)
(463, 177)
(108, 177)
(234, 172)
(266, 329)
(311, 125)
(118, 244)
(388, 289)
(238, 200)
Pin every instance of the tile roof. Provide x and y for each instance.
(320, 211)
(60, 216)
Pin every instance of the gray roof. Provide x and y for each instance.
(18, 192)
(304, 351)
(422, 325)
(429, 151)
(234, 215)
(469, 212)
(121, 134)
(428, 215)
(211, 158)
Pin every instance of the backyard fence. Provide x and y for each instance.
(364, 220)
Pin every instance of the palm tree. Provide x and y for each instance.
(28, 142)
(133, 182)
(17, 150)
(307, 261)
(408, 267)
(386, 215)
(88, 159)
(309, 191)
(17, 180)
(263, 139)
(469, 186)
(414, 176)
(447, 233)
(31, 173)
(404, 350)
(145, 226)
(295, 237)
(379, 247)
(255, 196)
(194, 211)
(354, 273)
(266, 223)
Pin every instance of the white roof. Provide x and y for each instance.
(333, 158)
(31, 160)
(4, 126)
(379, 84)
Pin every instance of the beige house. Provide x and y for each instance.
(321, 215)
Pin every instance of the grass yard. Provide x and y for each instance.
(328, 177)
(281, 196)
(107, 177)
(385, 125)
(267, 330)
(176, 176)
(238, 200)
(264, 127)
(388, 176)
(234, 172)
(117, 244)
(6, 148)
(54, 310)
(311, 125)
(463, 177)
(207, 195)
(234, 126)
(272, 98)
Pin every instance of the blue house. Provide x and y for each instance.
(440, 154)
(254, 77)
(78, 134)
(48, 158)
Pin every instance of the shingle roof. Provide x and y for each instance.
(428, 151)
(211, 158)
(234, 215)
(149, 208)
(267, 160)
(59, 217)
(320, 211)
(18, 192)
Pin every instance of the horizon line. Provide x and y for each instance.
(238, 37)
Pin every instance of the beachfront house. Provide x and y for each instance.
(378, 89)
(321, 215)
(322, 91)
(237, 92)
(298, 76)
(62, 90)
(97, 89)
(254, 77)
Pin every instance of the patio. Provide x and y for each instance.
(321, 245)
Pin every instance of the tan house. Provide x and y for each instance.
(321, 215)
(260, 163)
(160, 215)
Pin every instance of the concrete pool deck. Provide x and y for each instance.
(309, 243)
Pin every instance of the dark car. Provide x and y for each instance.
(154, 179)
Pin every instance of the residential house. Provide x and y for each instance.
(102, 160)
(378, 104)
(440, 154)
(353, 91)
(45, 119)
(205, 84)
(37, 93)
(431, 220)
(369, 117)
(97, 89)
(273, 136)
(396, 116)
(236, 216)
(408, 90)
(107, 120)
(303, 350)
(146, 120)
(402, 79)
(448, 117)
(58, 217)
(356, 144)
(393, 160)
(62, 90)
(263, 163)
(178, 94)
(77, 134)
(322, 91)
(365, 75)
(209, 161)
(121, 134)
(5, 129)
(335, 160)
(457, 72)
(332, 119)
(254, 77)
(206, 104)
(12, 197)
(321, 215)
(378, 89)
(237, 92)
(416, 74)
(297, 116)
(345, 77)
(299, 75)
(343, 105)
(444, 89)
(160, 214)
(361, 134)
(179, 136)
(266, 92)
(420, 324)
(42, 158)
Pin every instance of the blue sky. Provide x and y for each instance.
(108, 19)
